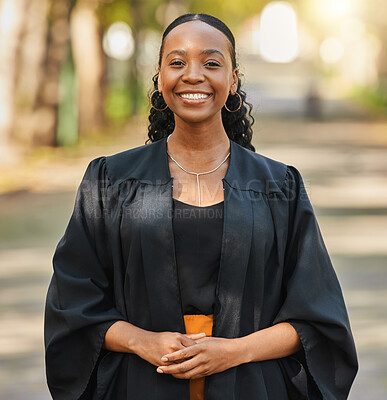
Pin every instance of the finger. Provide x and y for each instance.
(195, 336)
(194, 373)
(187, 341)
(181, 368)
(204, 339)
(181, 354)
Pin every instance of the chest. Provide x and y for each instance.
(147, 246)
(186, 186)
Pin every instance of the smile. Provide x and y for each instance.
(194, 96)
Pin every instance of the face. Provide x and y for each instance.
(196, 74)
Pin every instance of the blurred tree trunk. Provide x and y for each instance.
(89, 60)
(34, 44)
(382, 65)
(12, 14)
(37, 71)
(46, 108)
(134, 77)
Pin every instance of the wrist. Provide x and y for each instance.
(137, 339)
(239, 351)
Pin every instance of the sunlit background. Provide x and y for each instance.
(74, 83)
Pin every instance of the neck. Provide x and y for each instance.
(203, 138)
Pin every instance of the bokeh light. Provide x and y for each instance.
(352, 29)
(359, 66)
(334, 9)
(331, 50)
(278, 36)
(118, 41)
(7, 16)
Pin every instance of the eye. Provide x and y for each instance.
(212, 64)
(177, 63)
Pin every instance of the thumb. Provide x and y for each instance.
(194, 336)
(189, 340)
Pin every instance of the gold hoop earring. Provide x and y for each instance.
(240, 104)
(151, 101)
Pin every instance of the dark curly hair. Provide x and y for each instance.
(237, 124)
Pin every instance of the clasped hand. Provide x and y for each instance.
(207, 356)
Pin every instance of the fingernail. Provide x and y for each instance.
(159, 370)
(164, 358)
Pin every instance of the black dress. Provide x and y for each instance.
(198, 239)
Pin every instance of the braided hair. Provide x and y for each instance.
(236, 124)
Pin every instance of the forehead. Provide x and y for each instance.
(196, 36)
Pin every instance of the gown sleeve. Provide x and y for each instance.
(79, 304)
(314, 303)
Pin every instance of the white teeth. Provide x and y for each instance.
(194, 96)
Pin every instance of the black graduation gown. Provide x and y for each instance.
(116, 261)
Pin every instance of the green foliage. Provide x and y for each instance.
(231, 12)
(118, 103)
(67, 133)
(122, 10)
(374, 98)
(117, 10)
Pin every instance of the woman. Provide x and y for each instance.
(193, 267)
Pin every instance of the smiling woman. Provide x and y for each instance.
(167, 286)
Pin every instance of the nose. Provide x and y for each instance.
(193, 73)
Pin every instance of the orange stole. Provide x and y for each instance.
(196, 324)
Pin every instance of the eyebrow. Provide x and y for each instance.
(207, 51)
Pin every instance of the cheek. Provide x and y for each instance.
(222, 89)
(168, 79)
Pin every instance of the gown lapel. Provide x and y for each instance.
(236, 242)
(235, 253)
(158, 252)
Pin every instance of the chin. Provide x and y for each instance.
(195, 117)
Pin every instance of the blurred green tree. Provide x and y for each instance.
(34, 37)
(139, 15)
(232, 12)
(89, 61)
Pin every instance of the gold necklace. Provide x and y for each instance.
(196, 173)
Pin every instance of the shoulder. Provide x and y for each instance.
(258, 172)
(127, 163)
(115, 161)
(139, 162)
(271, 168)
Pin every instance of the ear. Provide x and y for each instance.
(234, 85)
(159, 82)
